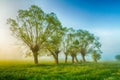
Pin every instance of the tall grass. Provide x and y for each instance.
(26, 70)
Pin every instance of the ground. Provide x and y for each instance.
(25, 70)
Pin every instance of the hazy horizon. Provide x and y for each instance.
(100, 17)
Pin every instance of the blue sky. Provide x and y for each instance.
(101, 17)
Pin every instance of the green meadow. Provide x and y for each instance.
(27, 70)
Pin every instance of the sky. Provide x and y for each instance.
(100, 17)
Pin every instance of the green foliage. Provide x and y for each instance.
(43, 33)
(117, 57)
(34, 27)
(81, 41)
(48, 71)
(96, 56)
(87, 42)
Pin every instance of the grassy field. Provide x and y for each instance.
(21, 70)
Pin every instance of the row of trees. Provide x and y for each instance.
(42, 32)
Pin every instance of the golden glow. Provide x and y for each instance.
(7, 48)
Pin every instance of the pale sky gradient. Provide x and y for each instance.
(101, 17)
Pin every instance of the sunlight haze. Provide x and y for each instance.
(101, 19)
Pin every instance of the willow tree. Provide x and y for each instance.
(54, 43)
(67, 42)
(71, 46)
(96, 55)
(73, 49)
(33, 27)
(87, 43)
(53, 47)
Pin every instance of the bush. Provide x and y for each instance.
(117, 57)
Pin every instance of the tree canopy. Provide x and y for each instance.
(34, 27)
(96, 55)
(41, 31)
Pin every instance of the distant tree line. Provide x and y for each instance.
(44, 33)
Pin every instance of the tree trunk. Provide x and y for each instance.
(95, 60)
(66, 57)
(83, 54)
(83, 58)
(56, 58)
(76, 59)
(35, 58)
(73, 59)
